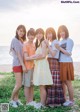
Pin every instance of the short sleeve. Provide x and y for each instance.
(15, 45)
(69, 46)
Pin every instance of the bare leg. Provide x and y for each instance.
(70, 90)
(43, 94)
(64, 90)
(31, 93)
(28, 91)
(18, 77)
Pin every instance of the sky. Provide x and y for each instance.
(38, 13)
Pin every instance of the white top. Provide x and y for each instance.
(67, 44)
(52, 45)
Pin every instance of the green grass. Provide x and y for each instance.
(7, 85)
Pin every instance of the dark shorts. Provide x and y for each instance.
(17, 69)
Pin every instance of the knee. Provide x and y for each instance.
(18, 86)
(42, 88)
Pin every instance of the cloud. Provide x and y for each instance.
(11, 5)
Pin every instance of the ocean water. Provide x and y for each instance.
(6, 58)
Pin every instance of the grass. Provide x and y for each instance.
(7, 85)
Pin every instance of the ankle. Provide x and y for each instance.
(42, 103)
(72, 100)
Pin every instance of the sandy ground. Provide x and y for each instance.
(8, 68)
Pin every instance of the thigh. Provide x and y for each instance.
(18, 77)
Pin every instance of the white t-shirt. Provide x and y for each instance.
(66, 44)
(52, 45)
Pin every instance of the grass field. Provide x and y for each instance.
(6, 87)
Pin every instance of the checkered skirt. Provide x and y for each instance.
(55, 92)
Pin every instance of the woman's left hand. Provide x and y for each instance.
(57, 46)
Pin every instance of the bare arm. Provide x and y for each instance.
(53, 53)
(62, 50)
(39, 56)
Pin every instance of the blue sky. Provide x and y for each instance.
(38, 13)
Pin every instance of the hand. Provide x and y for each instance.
(57, 46)
(28, 58)
(24, 68)
(46, 42)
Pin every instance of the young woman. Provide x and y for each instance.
(29, 50)
(55, 96)
(18, 65)
(42, 75)
(66, 63)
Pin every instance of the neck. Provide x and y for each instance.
(21, 39)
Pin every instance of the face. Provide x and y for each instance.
(20, 32)
(49, 36)
(39, 36)
(31, 37)
(62, 34)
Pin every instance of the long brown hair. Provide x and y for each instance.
(39, 30)
(24, 29)
(64, 29)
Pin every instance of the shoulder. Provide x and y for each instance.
(55, 42)
(25, 44)
(69, 40)
(14, 41)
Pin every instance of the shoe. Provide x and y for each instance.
(19, 103)
(32, 103)
(13, 104)
(68, 103)
(39, 105)
(51, 106)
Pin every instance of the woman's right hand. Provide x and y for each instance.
(24, 69)
(46, 42)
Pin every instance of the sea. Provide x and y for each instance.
(6, 58)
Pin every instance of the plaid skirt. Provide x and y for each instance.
(55, 92)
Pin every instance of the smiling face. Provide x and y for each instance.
(31, 38)
(39, 36)
(49, 36)
(31, 34)
(62, 34)
(20, 32)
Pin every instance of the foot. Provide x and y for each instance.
(19, 103)
(68, 103)
(39, 105)
(51, 106)
(32, 103)
(13, 104)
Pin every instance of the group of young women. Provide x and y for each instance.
(45, 62)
